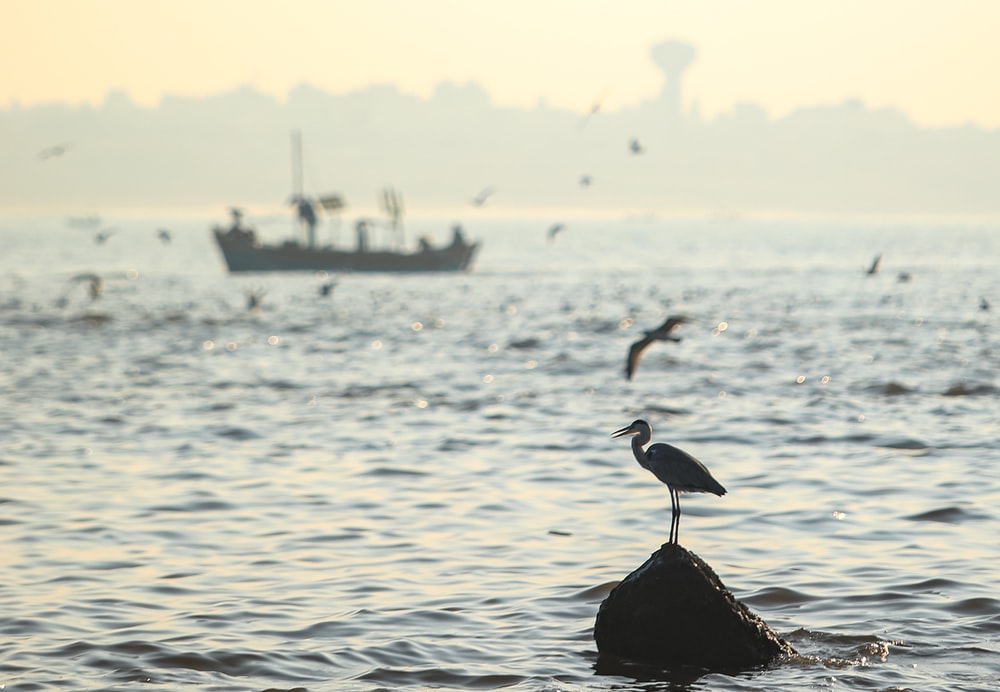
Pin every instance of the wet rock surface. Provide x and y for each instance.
(674, 610)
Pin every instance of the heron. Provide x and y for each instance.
(662, 333)
(677, 469)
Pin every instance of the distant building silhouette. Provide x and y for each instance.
(673, 57)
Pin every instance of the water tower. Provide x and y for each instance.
(673, 57)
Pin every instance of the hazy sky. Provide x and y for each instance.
(935, 60)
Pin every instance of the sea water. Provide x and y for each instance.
(410, 483)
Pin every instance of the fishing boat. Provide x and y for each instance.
(244, 252)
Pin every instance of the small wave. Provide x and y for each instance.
(187, 476)
(975, 606)
(238, 434)
(890, 389)
(811, 441)
(236, 664)
(280, 384)
(194, 506)
(454, 445)
(95, 319)
(596, 593)
(778, 596)
(367, 391)
(17, 627)
(114, 564)
(861, 437)
(334, 537)
(936, 585)
(646, 411)
(389, 471)
(905, 444)
(963, 389)
(440, 677)
(676, 676)
(946, 515)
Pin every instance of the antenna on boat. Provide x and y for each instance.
(296, 164)
(392, 204)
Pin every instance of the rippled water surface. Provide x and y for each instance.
(410, 483)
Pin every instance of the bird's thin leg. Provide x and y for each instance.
(677, 519)
(673, 516)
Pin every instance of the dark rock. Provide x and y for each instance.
(674, 610)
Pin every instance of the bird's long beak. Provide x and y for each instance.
(623, 431)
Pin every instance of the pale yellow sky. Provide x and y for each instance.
(934, 60)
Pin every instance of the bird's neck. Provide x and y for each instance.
(639, 453)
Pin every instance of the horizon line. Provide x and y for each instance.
(691, 114)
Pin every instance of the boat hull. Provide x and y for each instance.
(243, 253)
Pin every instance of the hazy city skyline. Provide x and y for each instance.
(931, 60)
(234, 148)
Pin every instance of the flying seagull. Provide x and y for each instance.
(876, 263)
(95, 282)
(484, 194)
(56, 150)
(326, 288)
(595, 108)
(662, 333)
(255, 297)
(103, 236)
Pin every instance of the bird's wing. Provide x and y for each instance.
(482, 196)
(672, 323)
(681, 471)
(86, 277)
(634, 354)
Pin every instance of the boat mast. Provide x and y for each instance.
(298, 198)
